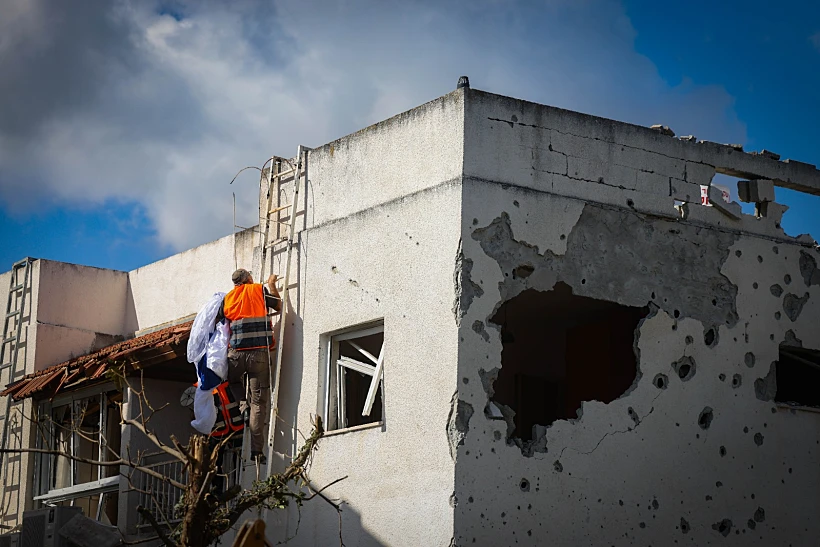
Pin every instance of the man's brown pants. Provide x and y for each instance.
(255, 363)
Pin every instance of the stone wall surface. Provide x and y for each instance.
(709, 459)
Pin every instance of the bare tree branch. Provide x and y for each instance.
(108, 463)
(154, 439)
(155, 525)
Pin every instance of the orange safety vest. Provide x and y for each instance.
(245, 307)
(228, 417)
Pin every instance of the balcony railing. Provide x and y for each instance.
(160, 497)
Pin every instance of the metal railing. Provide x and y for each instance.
(156, 495)
(160, 498)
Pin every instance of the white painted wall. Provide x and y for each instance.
(179, 285)
(82, 297)
(79, 309)
(372, 256)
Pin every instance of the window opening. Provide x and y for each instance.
(83, 427)
(797, 373)
(355, 365)
(560, 349)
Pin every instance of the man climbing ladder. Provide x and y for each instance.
(251, 343)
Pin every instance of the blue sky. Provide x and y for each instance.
(123, 124)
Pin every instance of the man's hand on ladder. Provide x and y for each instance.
(272, 285)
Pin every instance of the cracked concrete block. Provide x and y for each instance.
(801, 164)
(581, 147)
(651, 204)
(685, 191)
(727, 160)
(649, 161)
(544, 159)
(652, 183)
(732, 210)
(662, 129)
(586, 190)
(773, 212)
(755, 191)
(601, 172)
(699, 173)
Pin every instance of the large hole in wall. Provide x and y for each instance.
(560, 349)
(798, 376)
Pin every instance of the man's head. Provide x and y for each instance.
(241, 277)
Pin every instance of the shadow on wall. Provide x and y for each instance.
(287, 440)
(130, 323)
(320, 524)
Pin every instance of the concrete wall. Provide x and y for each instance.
(179, 285)
(639, 470)
(79, 309)
(382, 245)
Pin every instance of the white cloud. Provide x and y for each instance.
(130, 104)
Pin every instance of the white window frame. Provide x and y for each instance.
(371, 365)
(44, 462)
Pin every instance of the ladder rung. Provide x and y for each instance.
(277, 209)
(16, 287)
(287, 172)
(21, 263)
(7, 365)
(12, 314)
(9, 339)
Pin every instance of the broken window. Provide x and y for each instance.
(798, 376)
(560, 349)
(353, 378)
(83, 426)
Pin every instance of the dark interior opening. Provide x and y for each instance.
(798, 376)
(357, 384)
(560, 349)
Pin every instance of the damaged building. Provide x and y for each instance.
(575, 350)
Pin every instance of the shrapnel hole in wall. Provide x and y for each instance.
(797, 372)
(560, 349)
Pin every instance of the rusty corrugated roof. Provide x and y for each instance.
(94, 365)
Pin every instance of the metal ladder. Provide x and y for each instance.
(9, 358)
(273, 218)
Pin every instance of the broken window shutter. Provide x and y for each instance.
(374, 384)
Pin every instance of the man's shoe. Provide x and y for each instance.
(259, 458)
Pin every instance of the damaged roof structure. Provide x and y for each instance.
(575, 350)
(134, 354)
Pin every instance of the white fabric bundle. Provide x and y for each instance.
(210, 341)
